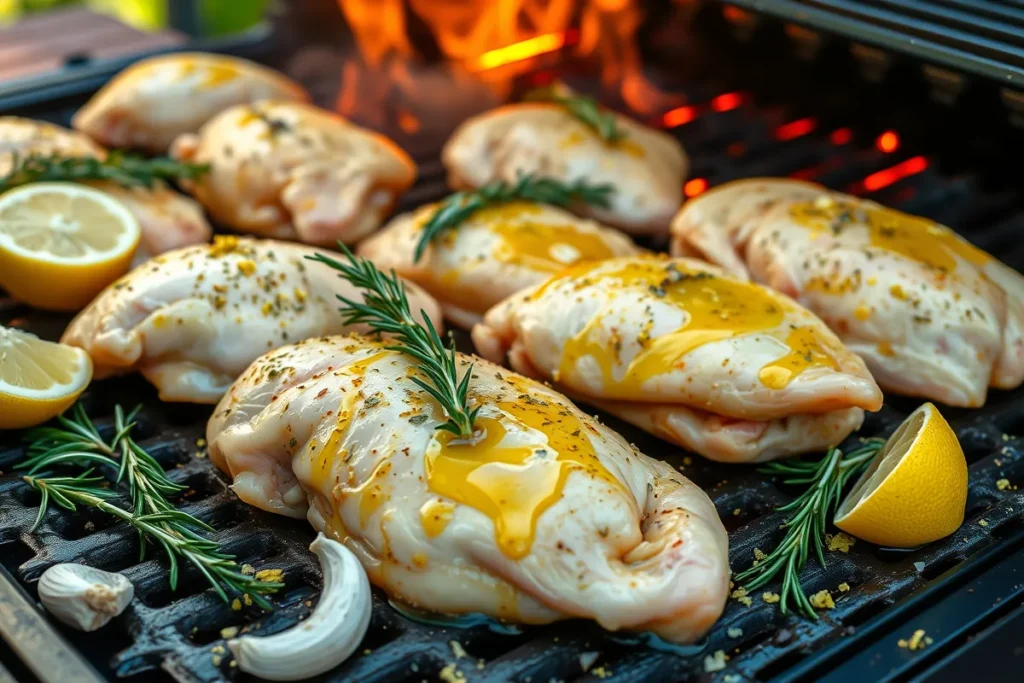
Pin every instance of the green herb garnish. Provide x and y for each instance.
(127, 170)
(805, 527)
(457, 208)
(583, 107)
(77, 442)
(385, 308)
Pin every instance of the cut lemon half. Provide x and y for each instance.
(915, 489)
(38, 379)
(62, 243)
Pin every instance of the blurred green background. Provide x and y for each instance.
(216, 17)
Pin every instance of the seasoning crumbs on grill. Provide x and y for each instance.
(740, 595)
(715, 662)
(841, 542)
(587, 660)
(844, 587)
(229, 632)
(982, 522)
(734, 632)
(248, 569)
(236, 605)
(270, 575)
(823, 600)
(1004, 484)
(457, 649)
(769, 597)
(450, 674)
(918, 641)
(601, 672)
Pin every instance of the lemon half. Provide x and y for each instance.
(914, 491)
(62, 243)
(38, 379)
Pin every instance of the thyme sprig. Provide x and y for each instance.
(458, 207)
(77, 442)
(385, 308)
(805, 526)
(583, 107)
(127, 170)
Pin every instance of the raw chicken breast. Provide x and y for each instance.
(729, 369)
(495, 253)
(932, 315)
(647, 168)
(293, 171)
(544, 515)
(155, 100)
(193, 319)
(168, 220)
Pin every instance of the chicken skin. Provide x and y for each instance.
(193, 319)
(292, 171)
(495, 253)
(728, 369)
(932, 315)
(168, 220)
(144, 107)
(647, 167)
(545, 514)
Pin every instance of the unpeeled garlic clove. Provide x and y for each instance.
(331, 633)
(84, 597)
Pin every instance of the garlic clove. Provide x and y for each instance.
(331, 633)
(84, 597)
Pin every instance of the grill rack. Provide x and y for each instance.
(165, 636)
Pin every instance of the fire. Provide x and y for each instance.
(489, 42)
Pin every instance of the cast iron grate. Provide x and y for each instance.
(177, 636)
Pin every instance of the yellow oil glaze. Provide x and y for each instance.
(435, 515)
(915, 238)
(807, 350)
(717, 308)
(214, 72)
(546, 247)
(514, 484)
(630, 147)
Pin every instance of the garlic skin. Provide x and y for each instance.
(84, 597)
(331, 633)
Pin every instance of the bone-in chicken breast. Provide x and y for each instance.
(293, 171)
(155, 100)
(193, 319)
(932, 315)
(495, 253)
(647, 167)
(729, 369)
(544, 515)
(168, 220)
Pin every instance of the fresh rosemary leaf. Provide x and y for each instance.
(77, 442)
(127, 170)
(805, 524)
(583, 107)
(457, 208)
(385, 308)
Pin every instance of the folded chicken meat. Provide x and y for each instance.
(543, 514)
(726, 368)
(931, 314)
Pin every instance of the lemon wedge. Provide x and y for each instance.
(38, 379)
(915, 489)
(62, 243)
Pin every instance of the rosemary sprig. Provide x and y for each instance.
(583, 107)
(127, 170)
(460, 206)
(805, 527)
(385, 308)
(77, 442)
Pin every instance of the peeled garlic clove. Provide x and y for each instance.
(84, 597)
(331, 633)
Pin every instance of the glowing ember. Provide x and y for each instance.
(727, 101)
(679, 116)
(795, 129)
(841, 136)
(516, 52)
(695, 186)
(888, 142)
(885, 178)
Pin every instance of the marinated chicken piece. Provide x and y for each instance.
(932, 315)
(168, 220)
(728, 369)
(155, 100)
(544, 515)
(647, 167)
(193, 319)
(290, 170)
(495, 253)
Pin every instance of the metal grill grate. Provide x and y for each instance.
(165, 635)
